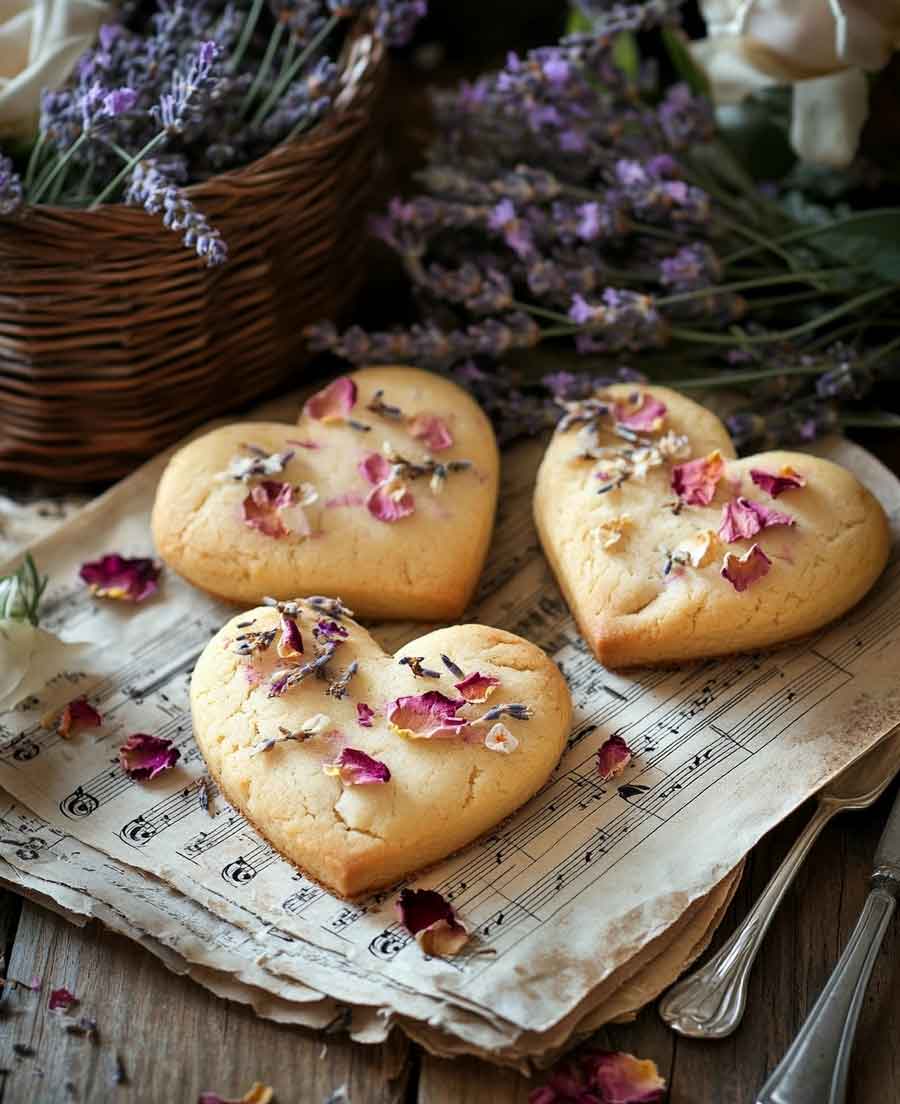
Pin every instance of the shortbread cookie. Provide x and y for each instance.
(668, 548)
(362, 767)
(384, 493)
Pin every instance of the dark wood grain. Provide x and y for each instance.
(175, 1039)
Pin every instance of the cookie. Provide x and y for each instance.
(384, 493)
(667, 548)
(362, 767)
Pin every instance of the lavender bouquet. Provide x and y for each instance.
(575, 208)
(180, 90)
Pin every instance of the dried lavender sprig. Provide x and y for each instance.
(151, 189)
(415, 664)
(287, 679)
(331, 607)
(516, 710)
(11, 191)
(452, 667)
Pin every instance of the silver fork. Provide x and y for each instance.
(709, 1003)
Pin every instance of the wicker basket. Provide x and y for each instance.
(115, 339)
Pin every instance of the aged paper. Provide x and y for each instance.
(562, 897)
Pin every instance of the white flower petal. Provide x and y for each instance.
(828, 117)
(29, 659)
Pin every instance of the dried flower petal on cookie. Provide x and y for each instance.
(290, 642)
(61, 1000)
(248, 643)
(364, 715)
(742, 518)
(623, 1079)
(276, 509)
(334, 402)
(610, 533)
(499, 738)
(257, 464)
(426, 716)
(743, 571)
(432, 920)
(776, 483)
(695, 481)
(477, 687)
(432, 431)
(375, 468)
(115, 576)
(325, 629)
(612, 758)
(78, 714)
(355, 768)
(698, 550)
(644, 415)
(143, 757)
(390, 501)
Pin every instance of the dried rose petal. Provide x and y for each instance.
(623, 1079)
(78, 714)
(775, 484)
(742, 571)
(290, 643)
(499, 738)
(742, 518)
(390, 501)
(355, 768)
(257, 1094)
(695, 481)
(432, 431)
(364, 714)
(143, 757)
(329, 630)
(477, 687)
(647, 417)
(334, 402)
(612, 758)
(115, 576)
(61, 1000)
(375, 468)
(425, 716)
(428, 916)
(263, 505)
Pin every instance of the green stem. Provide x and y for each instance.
(285, 79)
(876, 419)
(246, 35)
(132, 161)
(263, 71)
(728, 379)
(54, 172)
(36, 151)
(541, 312)
(563, 331)
(811, 231)
(762, 242)
(745, 285)
(884, 351)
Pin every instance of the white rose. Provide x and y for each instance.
(821, 47)
(29, 658)
(40, 42)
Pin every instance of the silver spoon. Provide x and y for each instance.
(709, 1003)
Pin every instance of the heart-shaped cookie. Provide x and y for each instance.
(384, 493)
(363, 767)
(668, 548)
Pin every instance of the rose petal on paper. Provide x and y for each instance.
(776, 483)
(290, 642)
(432, 431)
(612, 758)
(499, 738)
(695, 482)
(431, 919)
(624, 1079)
(375, 468)
(355, 768)
(334, 402)
(742, 518)
(143, 757)
(364, 715)
(390, 501)
(78, 714)
(699, 549)
(258, 1093)
(743, 571)
(61, 1000)
(648, 416)
(426, 716)
(477, 687)
(115, 576)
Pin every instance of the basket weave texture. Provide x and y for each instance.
(115, 339)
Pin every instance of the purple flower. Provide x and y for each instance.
(153, 190)
(515, 233)
(119, 101)
(10, 188)
(848, 379)
(189, 90)
(685, 119)
(556, 70)
(395, 20)
(693, 266)
(582, 312)
(623, 320)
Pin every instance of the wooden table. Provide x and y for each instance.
(174, 1039)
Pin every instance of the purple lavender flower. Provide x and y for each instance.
(10, 188)
(623, 320)
(304, 102)
(797, 423)
(395, 20)
(505, 220)
(685, 119)
(693, 266)
(189, 90)
(153, 190)
(850, 378)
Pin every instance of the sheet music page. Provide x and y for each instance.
(561, 896)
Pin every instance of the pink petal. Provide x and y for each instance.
(349, 498)
(115, 576)
(364, 715)
(389, 503)
(329, 630)
(742, 571)
(425, 716)
(375, 468)
(743, 518)
(612, 758)
(623, 1079)
(648, 417)
(262, 507)
(428, 916)
(143, 757)
(334, 402)
(355, 768)
(78, 714)
(61, 1000)
(477, 687)
(775, 484)
(290, 643)
(695, 481)
(432, 431)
